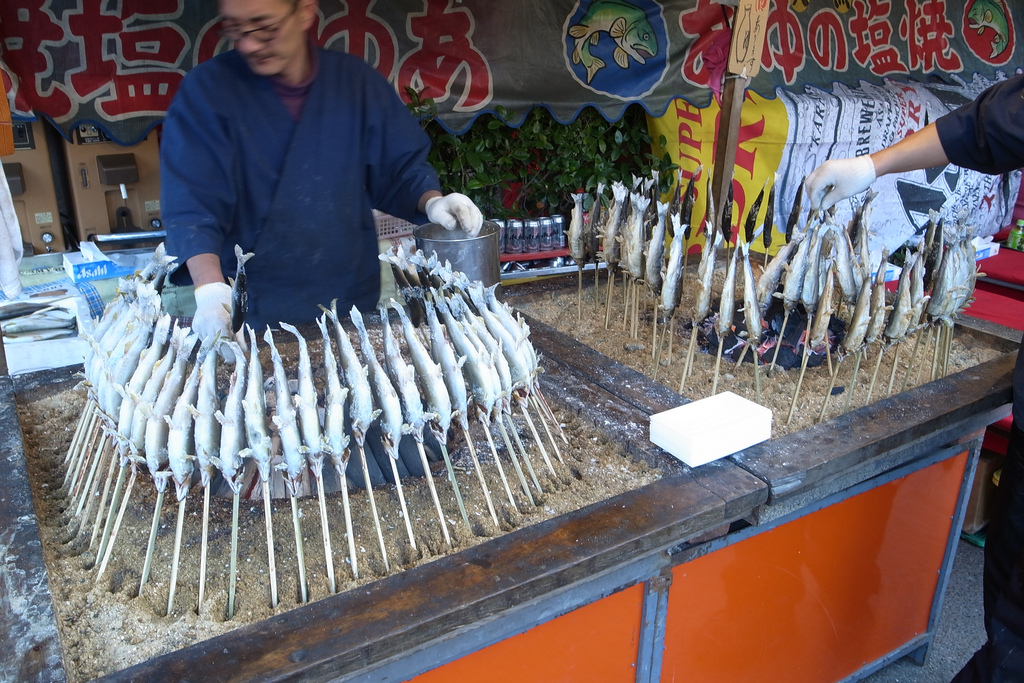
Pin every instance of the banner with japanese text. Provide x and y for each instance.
(795, 132)
(118, 64)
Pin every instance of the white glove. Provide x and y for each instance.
(839, 179)
(213, 312)
(455, 211)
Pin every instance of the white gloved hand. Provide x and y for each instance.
(455, 211)
(839, 179)
(213, 312)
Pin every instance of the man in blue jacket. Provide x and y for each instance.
(284, 149)
(986, 135)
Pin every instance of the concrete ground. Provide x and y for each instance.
(960, 630)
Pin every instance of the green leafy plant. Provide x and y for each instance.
(532, 170)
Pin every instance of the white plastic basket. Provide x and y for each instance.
(388, 226)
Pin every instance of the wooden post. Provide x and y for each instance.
(749, 25)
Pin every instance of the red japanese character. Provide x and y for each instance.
(872, 33)
(446, 58)
(927, 33)
(784, 43)
(26, 27)
(705, 58)
(826, 41)
(364, 35)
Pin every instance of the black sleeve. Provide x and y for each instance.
(987, 135)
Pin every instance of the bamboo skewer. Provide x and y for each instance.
(106, 545)
(157, 508)
(203, 549)
(233, 576)
(895, 363)
(401, 497)
(688, 365)
(345, 504)
(373, 506)
(433, 491)
(515, 462)
(271, 563)
(299, 552)
(88, 490)
(101, 518)
(874, 374)
(176, 556)
(718, 363)
(326, 532)
(522, 452)
(778, 343)
(440, 438)
(84, 519)
(853, 381)
(536, 437)
(497, 462)
(480, 476)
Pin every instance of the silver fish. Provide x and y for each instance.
(632, 237)
(334, 405)
(480, 378)
(511, 348)
(254, 405)
(768, 283)
(404, 377)
(451, 369)
(878, 308)
(672, 276)
(613, 224)
(239, 291)
(207, 428)
(751, 307)
(285, 421)
(793, 286)
(655, 253)
(232, 422)
(143, 370)
(361, 410)
(819, 330)
(899, 321)
(180, 436)
(384, 394)
(810, 291)
(853, 341)
(156, 426)
(849, 275)
(145, 400)
(727, 302)
(706, 275)
(429, 373)
(306, 403)
(575, 232)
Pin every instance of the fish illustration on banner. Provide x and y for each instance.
(617, 47)
(991, 20)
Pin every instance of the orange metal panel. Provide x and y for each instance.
(596, 642)
(819, 597)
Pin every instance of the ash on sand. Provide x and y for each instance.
(106, 627)
(555, 304)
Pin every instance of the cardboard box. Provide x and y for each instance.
(92, 264)
(983, 491)
(985, 248)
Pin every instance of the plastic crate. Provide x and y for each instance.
(388, 226)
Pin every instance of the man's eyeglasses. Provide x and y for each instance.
(262, 34)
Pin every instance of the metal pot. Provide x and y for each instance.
(476, 256)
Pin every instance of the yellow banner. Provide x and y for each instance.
(690, 133)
